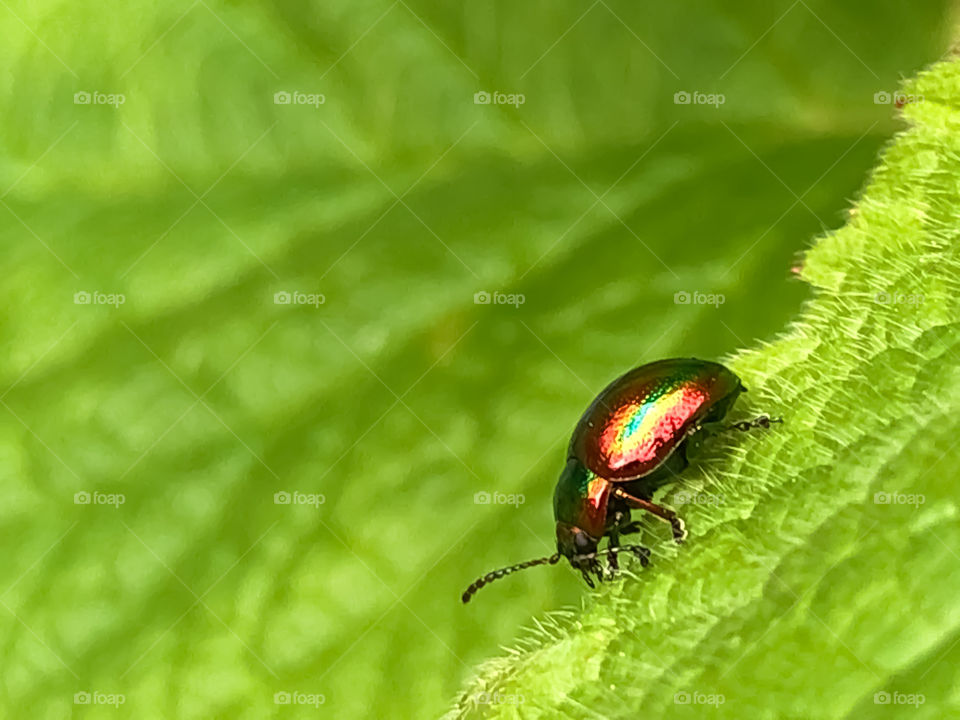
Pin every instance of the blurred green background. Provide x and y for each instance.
(196, 197)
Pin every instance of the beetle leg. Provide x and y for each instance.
(614, 548)
(614, 543)
(589, 564)
(679, 533)
(598, 570)
(612, 563)
(763, 421)
(641, 553)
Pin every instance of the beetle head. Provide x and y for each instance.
(572, 542)
(579, 548)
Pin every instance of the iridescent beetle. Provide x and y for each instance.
(638, 434)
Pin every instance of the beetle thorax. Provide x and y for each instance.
(580, 499)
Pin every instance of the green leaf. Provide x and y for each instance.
(816, 582)
(197, 399)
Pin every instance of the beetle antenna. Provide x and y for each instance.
(503, 572)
